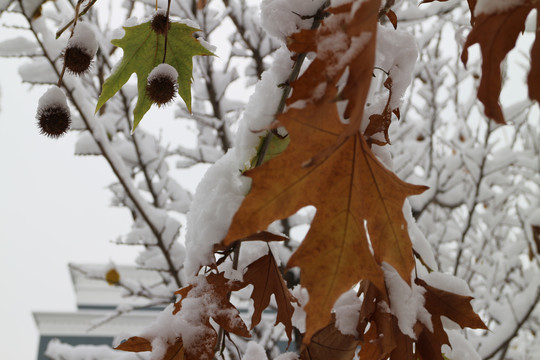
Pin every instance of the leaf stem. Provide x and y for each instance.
(85, 10)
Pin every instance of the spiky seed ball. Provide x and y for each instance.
(77, 60)
(81, 49)
(160, 22)
(53, 115)
(162, 85)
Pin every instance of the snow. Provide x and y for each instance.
(222, 189)
(84, 38)
(59, 351)
(30, 6)
(335, 46)
(448, 283)
(86, 145)
(164, 70)
(37, 71)
(288, 356)
(460, 347)
(406, 302)
(496, 6)
(534, 217)
(254, 351)
(347, 310)
(52, 98)
(19, 46)
(299, 315)
(189, 322)
(281, 17)
(511, 313)
(420, 244)
(396, 54)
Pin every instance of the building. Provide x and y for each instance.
(94, 324)
(96, 300)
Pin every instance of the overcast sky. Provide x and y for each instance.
(54, 209)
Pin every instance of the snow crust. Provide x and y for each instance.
(288, 356)
(52, 97)
(254, 351)
(281, 18)
(406, 302)
(347, 310)
(84, 38)
(19, 46)
(396, 54)
(163, 70)
(189, 323)
(461, 348)
(222, 189)
(496, 6)
(299, 315)
(59, 351)
(448, 283)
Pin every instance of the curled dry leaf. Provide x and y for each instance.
(496, 33)
(266, 278)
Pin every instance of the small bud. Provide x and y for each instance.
(80, 50)
(160, 22)
(53, 113)
(162, 85)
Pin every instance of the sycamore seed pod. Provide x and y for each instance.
(160, 22)
(53, 113)
(162, 85)
(80, 50)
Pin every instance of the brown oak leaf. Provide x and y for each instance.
(496, 33)
(353, 192)
(266, 278)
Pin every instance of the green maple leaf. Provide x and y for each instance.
(143, 50)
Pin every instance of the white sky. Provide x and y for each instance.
(54, 209)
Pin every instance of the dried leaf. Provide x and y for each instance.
(384, 340)
(175, 351)
(215, 289)
(533, 80)
(392, 17)
(266, 278)
(135, 344)
(496, 33)
(345, 182)
(453, 306)
(330, 344)
(381, 122)
(139, 344)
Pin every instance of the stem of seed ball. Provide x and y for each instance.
(166, 30)
(85, 10)
(75, 19)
